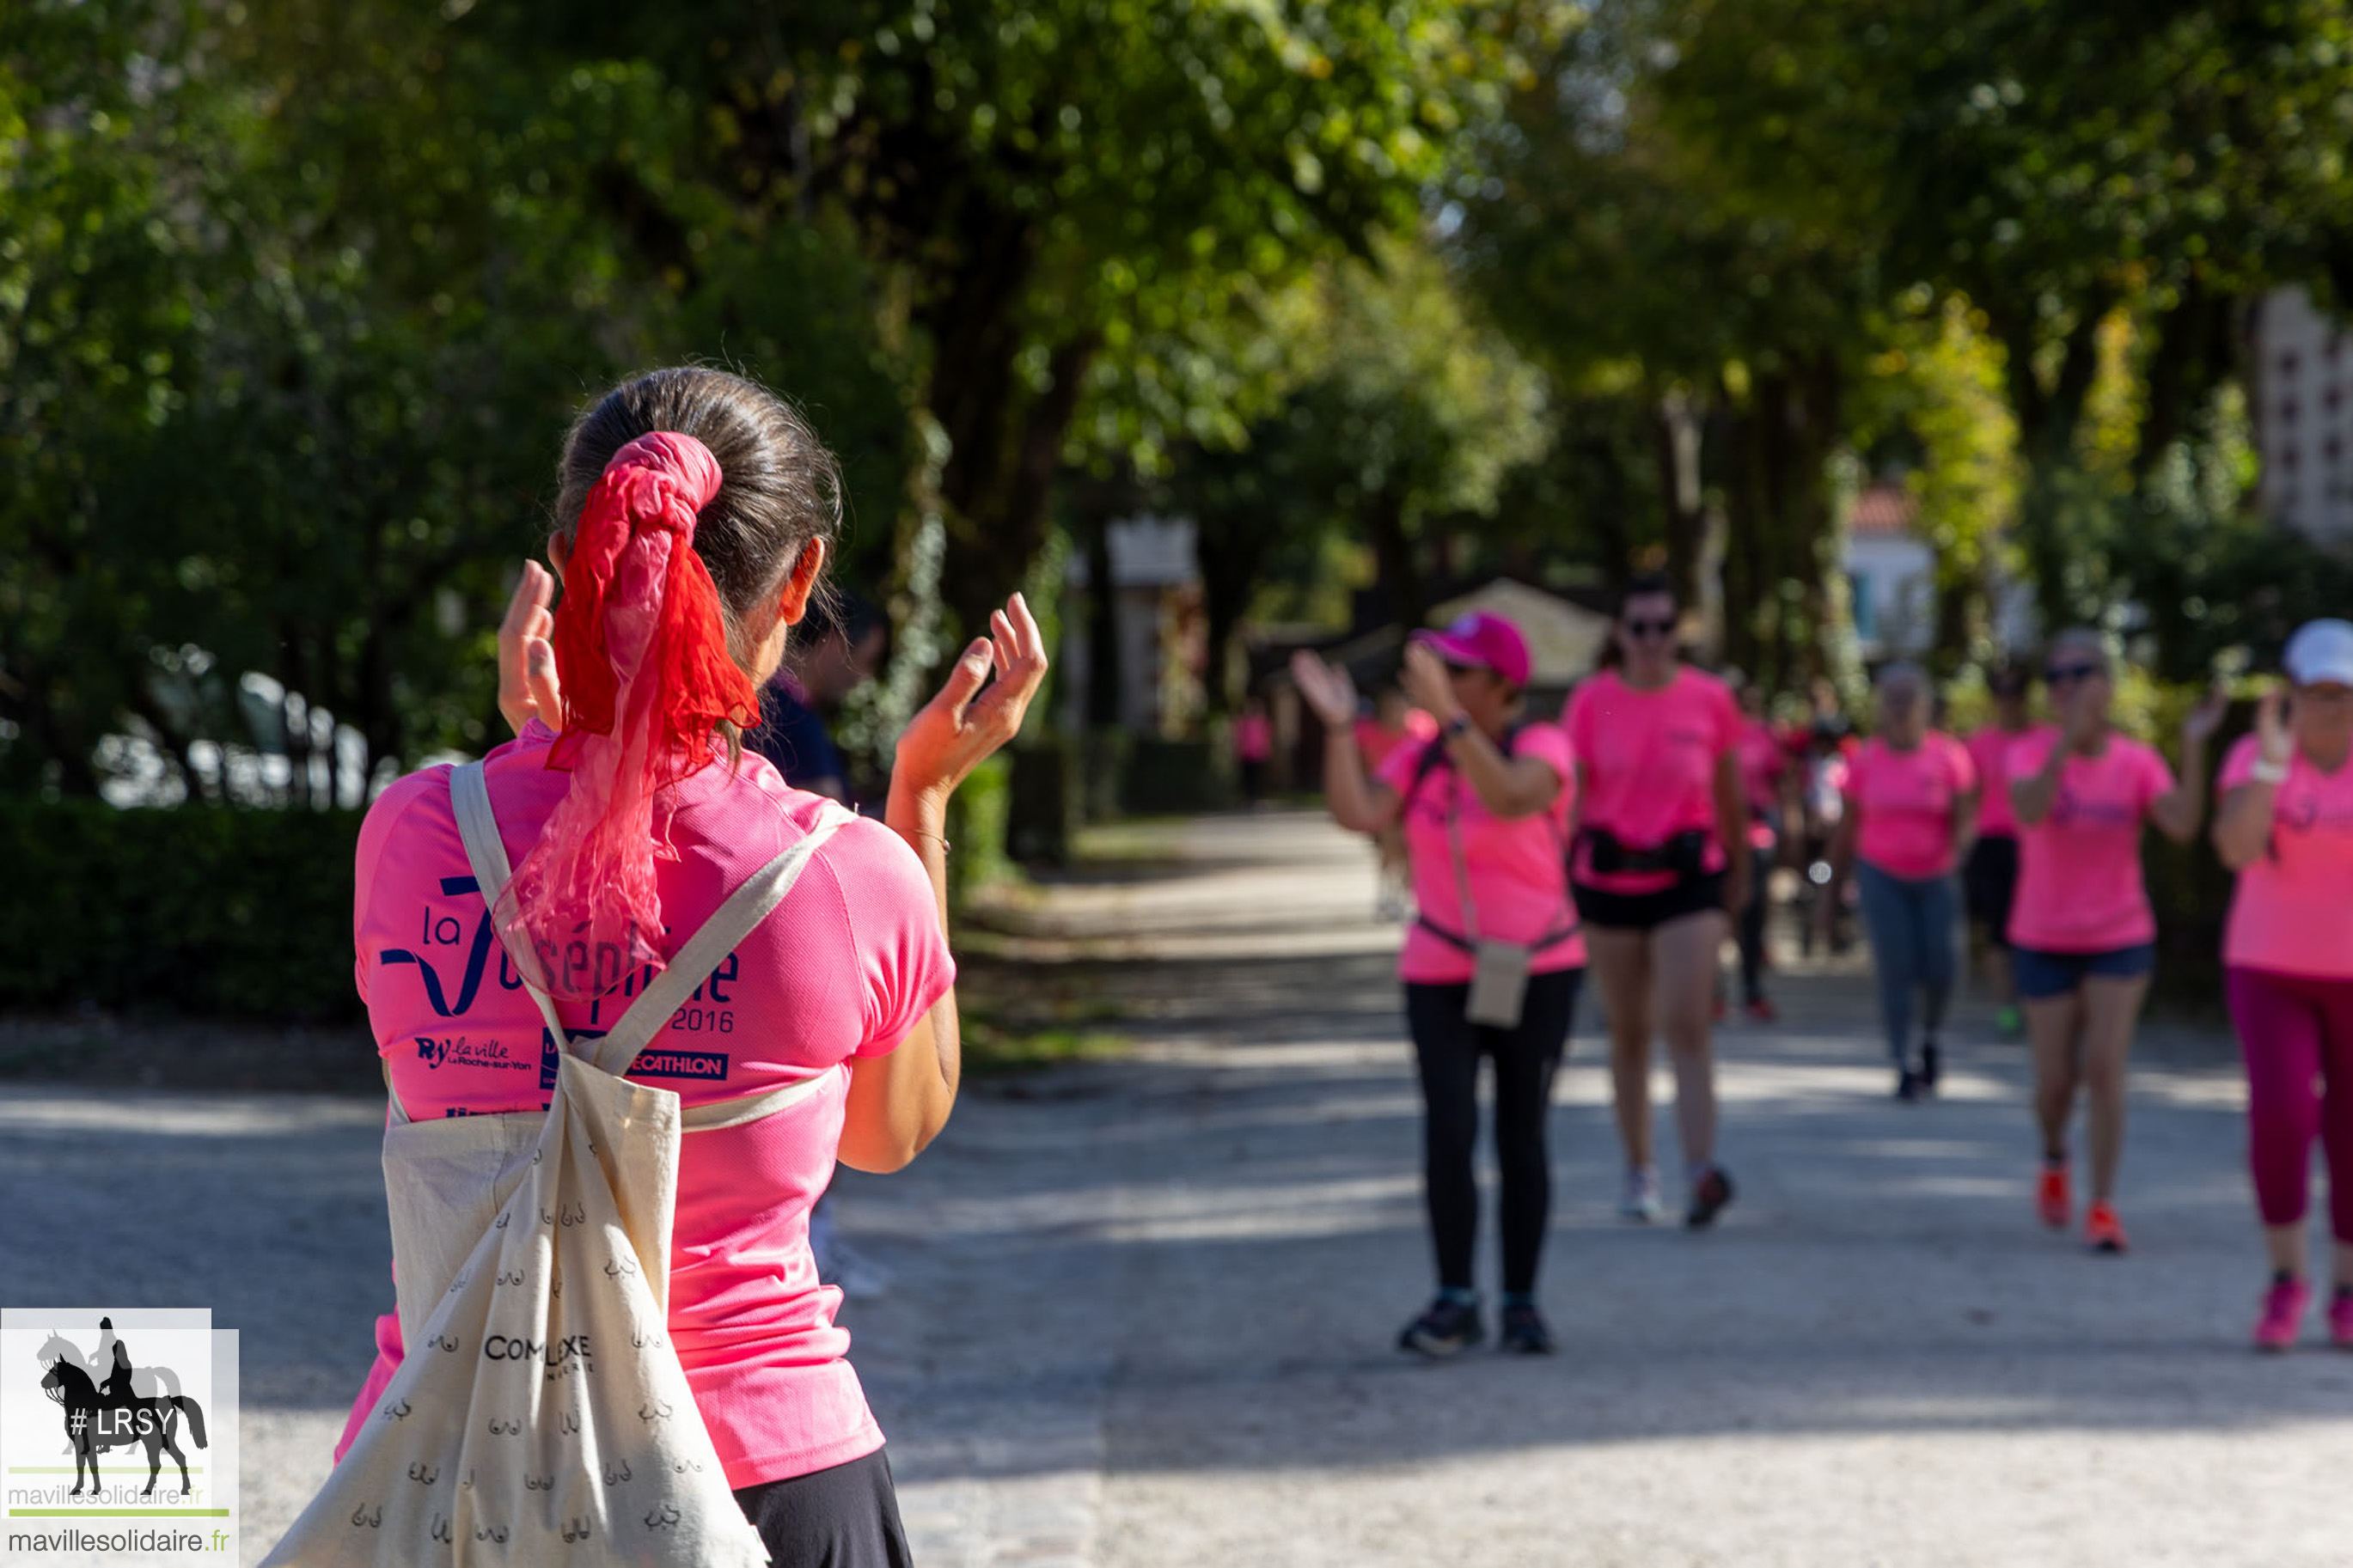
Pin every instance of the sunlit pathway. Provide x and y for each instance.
(1147, 1310)
(1143, 1311)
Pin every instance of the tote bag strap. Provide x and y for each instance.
(729, 924)
(691, 965)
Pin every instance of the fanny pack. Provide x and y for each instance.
(1685, 855)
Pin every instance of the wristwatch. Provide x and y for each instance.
(1457, 726)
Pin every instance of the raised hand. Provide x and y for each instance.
(1325, 688)
(527, 687)
(2207, 717)
(2273, 741)
(963, 724)
(1427, 683)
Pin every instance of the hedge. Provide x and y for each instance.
(200, 909)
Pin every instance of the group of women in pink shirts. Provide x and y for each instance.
(1623, 839)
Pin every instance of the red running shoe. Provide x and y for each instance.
(1762, 1010)
(2103, 1232)
(2051, 1198)
(2283, 1318)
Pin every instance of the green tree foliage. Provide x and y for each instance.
(1074, 197)
(1404, 422)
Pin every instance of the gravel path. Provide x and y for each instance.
(1142, 1311)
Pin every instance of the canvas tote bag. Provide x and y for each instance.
(539, 1414)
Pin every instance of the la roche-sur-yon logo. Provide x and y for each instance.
(118, 1435)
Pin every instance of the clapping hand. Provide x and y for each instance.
(2274, 743)
(2207, 717)
(963, 724)
(1427, 683)
(1325, 688)
(527, 685)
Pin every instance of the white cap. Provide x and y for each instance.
(2321, 651)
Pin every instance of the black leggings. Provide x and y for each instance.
(1752, 924)
(1448, 1046)
(846, 1517)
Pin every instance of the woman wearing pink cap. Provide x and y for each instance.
(693, 526)
(2286, 827)
(1492, 966)
(2083, 936)
(1660, 805)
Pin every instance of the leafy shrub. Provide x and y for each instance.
(195, 910)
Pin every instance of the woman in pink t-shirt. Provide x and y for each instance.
(2286, 827)
(695, 519)
(1769, 776)
(1483, 808)
(1911, 807)
(1660, 816)
(2083, 936)
(1989, 878)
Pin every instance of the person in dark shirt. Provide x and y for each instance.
(833, 651)
(836, 649)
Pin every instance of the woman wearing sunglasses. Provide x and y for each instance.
(2286, 827)
(2083, 936)
(1659, 802)
(1491, 965)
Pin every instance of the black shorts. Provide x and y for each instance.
(1648, 911)
(846, 1517)
(1991, 881)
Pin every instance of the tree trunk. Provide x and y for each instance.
(1393, 551)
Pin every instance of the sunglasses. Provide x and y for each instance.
(1648, 628)
(1454, 667)
(2068, 674)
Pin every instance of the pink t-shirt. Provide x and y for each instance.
(1906, 800)
(1517, 868)
(1254, 738)
(1764, 764)
(1650, 767)
(847, 965)
(2292, 913)
(1989, 750)
(2079, 879)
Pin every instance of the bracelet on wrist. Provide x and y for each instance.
(1454, 728)
(921, 833)
(2266, 771)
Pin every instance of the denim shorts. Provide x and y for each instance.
(2043, 976)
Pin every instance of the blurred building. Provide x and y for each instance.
(1890, 574)
(2303, 397)
(1161, 632)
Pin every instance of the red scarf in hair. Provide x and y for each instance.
(641, 652)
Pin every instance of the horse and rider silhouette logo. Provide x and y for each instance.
(109, 1403)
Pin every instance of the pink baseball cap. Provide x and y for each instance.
(1487, 641)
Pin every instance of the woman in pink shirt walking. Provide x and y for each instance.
(1491, 965)
(2083, 936)
(695, 519)
(1910, 808)
(2286, 827)
(1658, 860)
(1990, 874)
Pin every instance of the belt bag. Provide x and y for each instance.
(1685, 855)
(539, 1414)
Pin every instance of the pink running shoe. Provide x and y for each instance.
(2340, 1318)
(2283, 1318)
